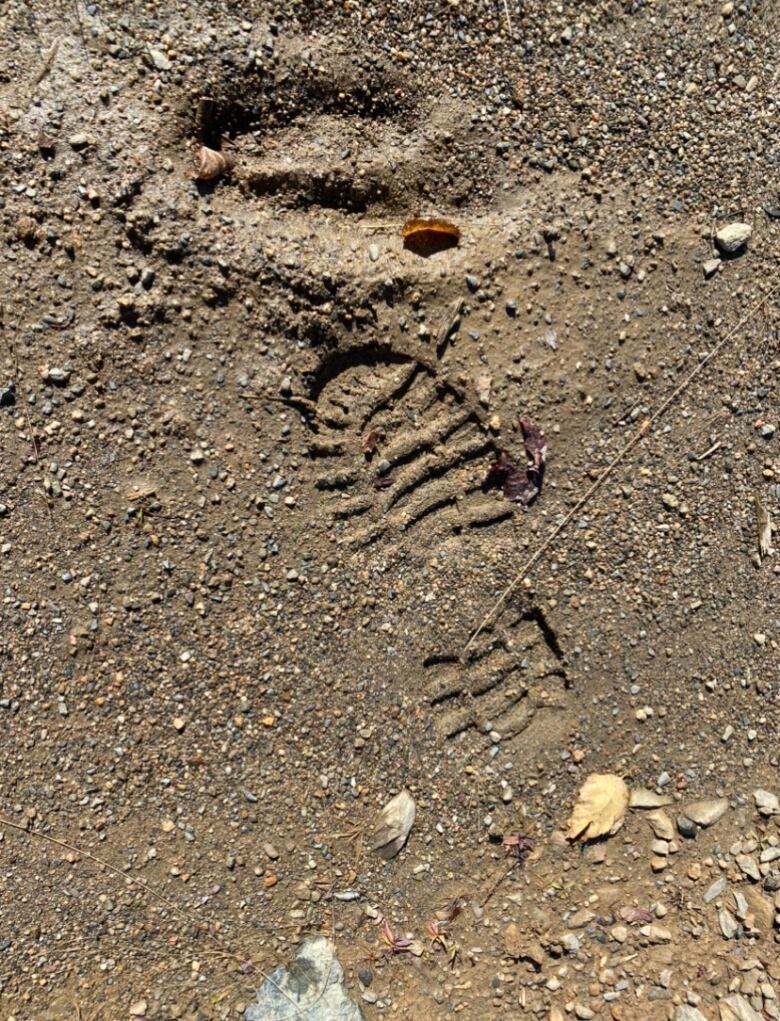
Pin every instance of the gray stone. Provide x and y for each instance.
(728, 924)
(749, 866)
(641, 797)
(733, 237)
(686, 826)
(309, 989)
(159, 60)
(740, 905)
(687, 1013)
(710, 267)
(56, 375)
(661, 825)
(737, 1008)
(767, 803)
(373, 252)
(707, 811)
(715, 890)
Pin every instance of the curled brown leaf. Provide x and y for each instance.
(370, 442)
(212, 164)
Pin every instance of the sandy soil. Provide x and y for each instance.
(230, 635)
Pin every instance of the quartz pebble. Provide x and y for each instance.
(733, 237)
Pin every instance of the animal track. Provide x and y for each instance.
(513, 675)
(434, 441)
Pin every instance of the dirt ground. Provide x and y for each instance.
(245, 535)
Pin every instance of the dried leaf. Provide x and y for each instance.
(451, 911)
(395, 822)
(370, 442)
(140, 489)
(513, 941)
(417, 225)
(427, 236)
(212, 164)
(521, 484)
(600, 807)
(522, 946)
(535, 444)
(764, 529)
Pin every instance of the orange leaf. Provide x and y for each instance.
(418, 225)
(426, 236)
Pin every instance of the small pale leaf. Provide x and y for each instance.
(393, 826)
(600, 807)
(764, 522)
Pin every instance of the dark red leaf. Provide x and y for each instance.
(382, 482)
(521, 484)
(535, 443)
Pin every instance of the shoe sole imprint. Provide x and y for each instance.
(435, 434)
(514, 674)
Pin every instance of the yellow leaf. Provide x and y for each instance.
(600, 807)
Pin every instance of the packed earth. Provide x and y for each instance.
(390, 630)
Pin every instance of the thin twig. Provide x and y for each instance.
(707, 453)
(508, 19)
(502, 875)
(605, 474)
(48, 63)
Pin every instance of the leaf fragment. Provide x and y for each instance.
(600, 808)
(521, 484)
(425, 236)
(764, 521)
(420, 224)
(394, 825)
(370, 442)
